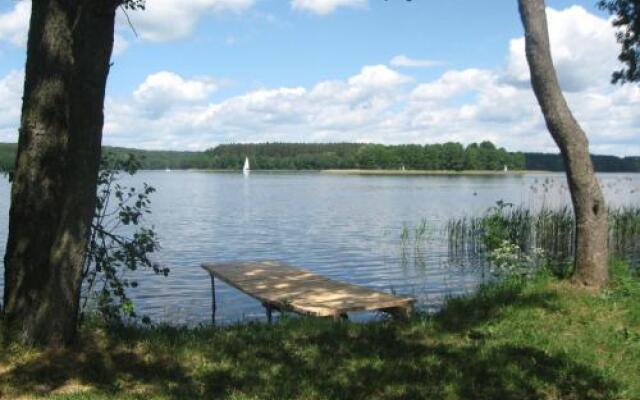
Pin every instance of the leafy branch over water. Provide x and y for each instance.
(120, 241)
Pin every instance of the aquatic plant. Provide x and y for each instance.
(404, 240)
(416, 252)
(549, 230)
(624, 237)
(420, 232)
(508, 259)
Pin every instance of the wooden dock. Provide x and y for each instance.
(282, 287)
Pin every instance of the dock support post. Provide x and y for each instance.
(213, 300)
(269, 313)
(399, 313)
(340, 317)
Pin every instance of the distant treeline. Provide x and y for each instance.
(553, 162)
(7, 156)
(318, 156)
(447, 156)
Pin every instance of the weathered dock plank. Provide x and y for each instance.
(286, 288)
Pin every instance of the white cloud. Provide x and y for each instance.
(14, 27)
(378, 77)
(164, 20)
(324, 7)
(378, 103)
(582, 45)
(163, 90)
(404, 61)
(324, 112)
(14, 24)
(10, 102)
(453, 83)
(120, 44)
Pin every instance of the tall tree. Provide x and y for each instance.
(591, 261)
(54, 188)
(627, 20)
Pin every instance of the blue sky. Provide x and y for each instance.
(204, 72)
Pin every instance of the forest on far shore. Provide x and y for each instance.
(320, 156)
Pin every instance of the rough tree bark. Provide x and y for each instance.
(591, 245)
(54, 187)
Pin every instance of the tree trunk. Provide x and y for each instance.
(54, 187)
(591, 246)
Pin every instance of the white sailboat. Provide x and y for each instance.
(246, 169)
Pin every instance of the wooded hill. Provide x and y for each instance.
(318, 156)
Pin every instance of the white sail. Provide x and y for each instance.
(246, 169)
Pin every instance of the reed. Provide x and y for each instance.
(415, 253)
(420, 233)
(551, 230)
(624, 230)
(404, 240)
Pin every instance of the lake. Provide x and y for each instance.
(346, 227)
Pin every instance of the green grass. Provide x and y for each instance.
(513, 340)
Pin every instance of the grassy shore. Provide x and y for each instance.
(425, 172)
(541, 339)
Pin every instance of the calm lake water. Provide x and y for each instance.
(346, 227)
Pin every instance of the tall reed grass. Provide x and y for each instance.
(415, 252)
(551, 230)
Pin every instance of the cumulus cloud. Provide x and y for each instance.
(380, 104)
(14, 27)
(162, 20)
(376, 104)
(329, 109)
(583, 49)
(165, 20)
(120, 44)
(324, 7)
(10, 102)
(377, 77)
(14, 24)
(162, 90)
(404, 61)
(453, 83)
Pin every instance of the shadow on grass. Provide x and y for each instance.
(311, 359)
(108, 367)
(384, 363)
(466, 312)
